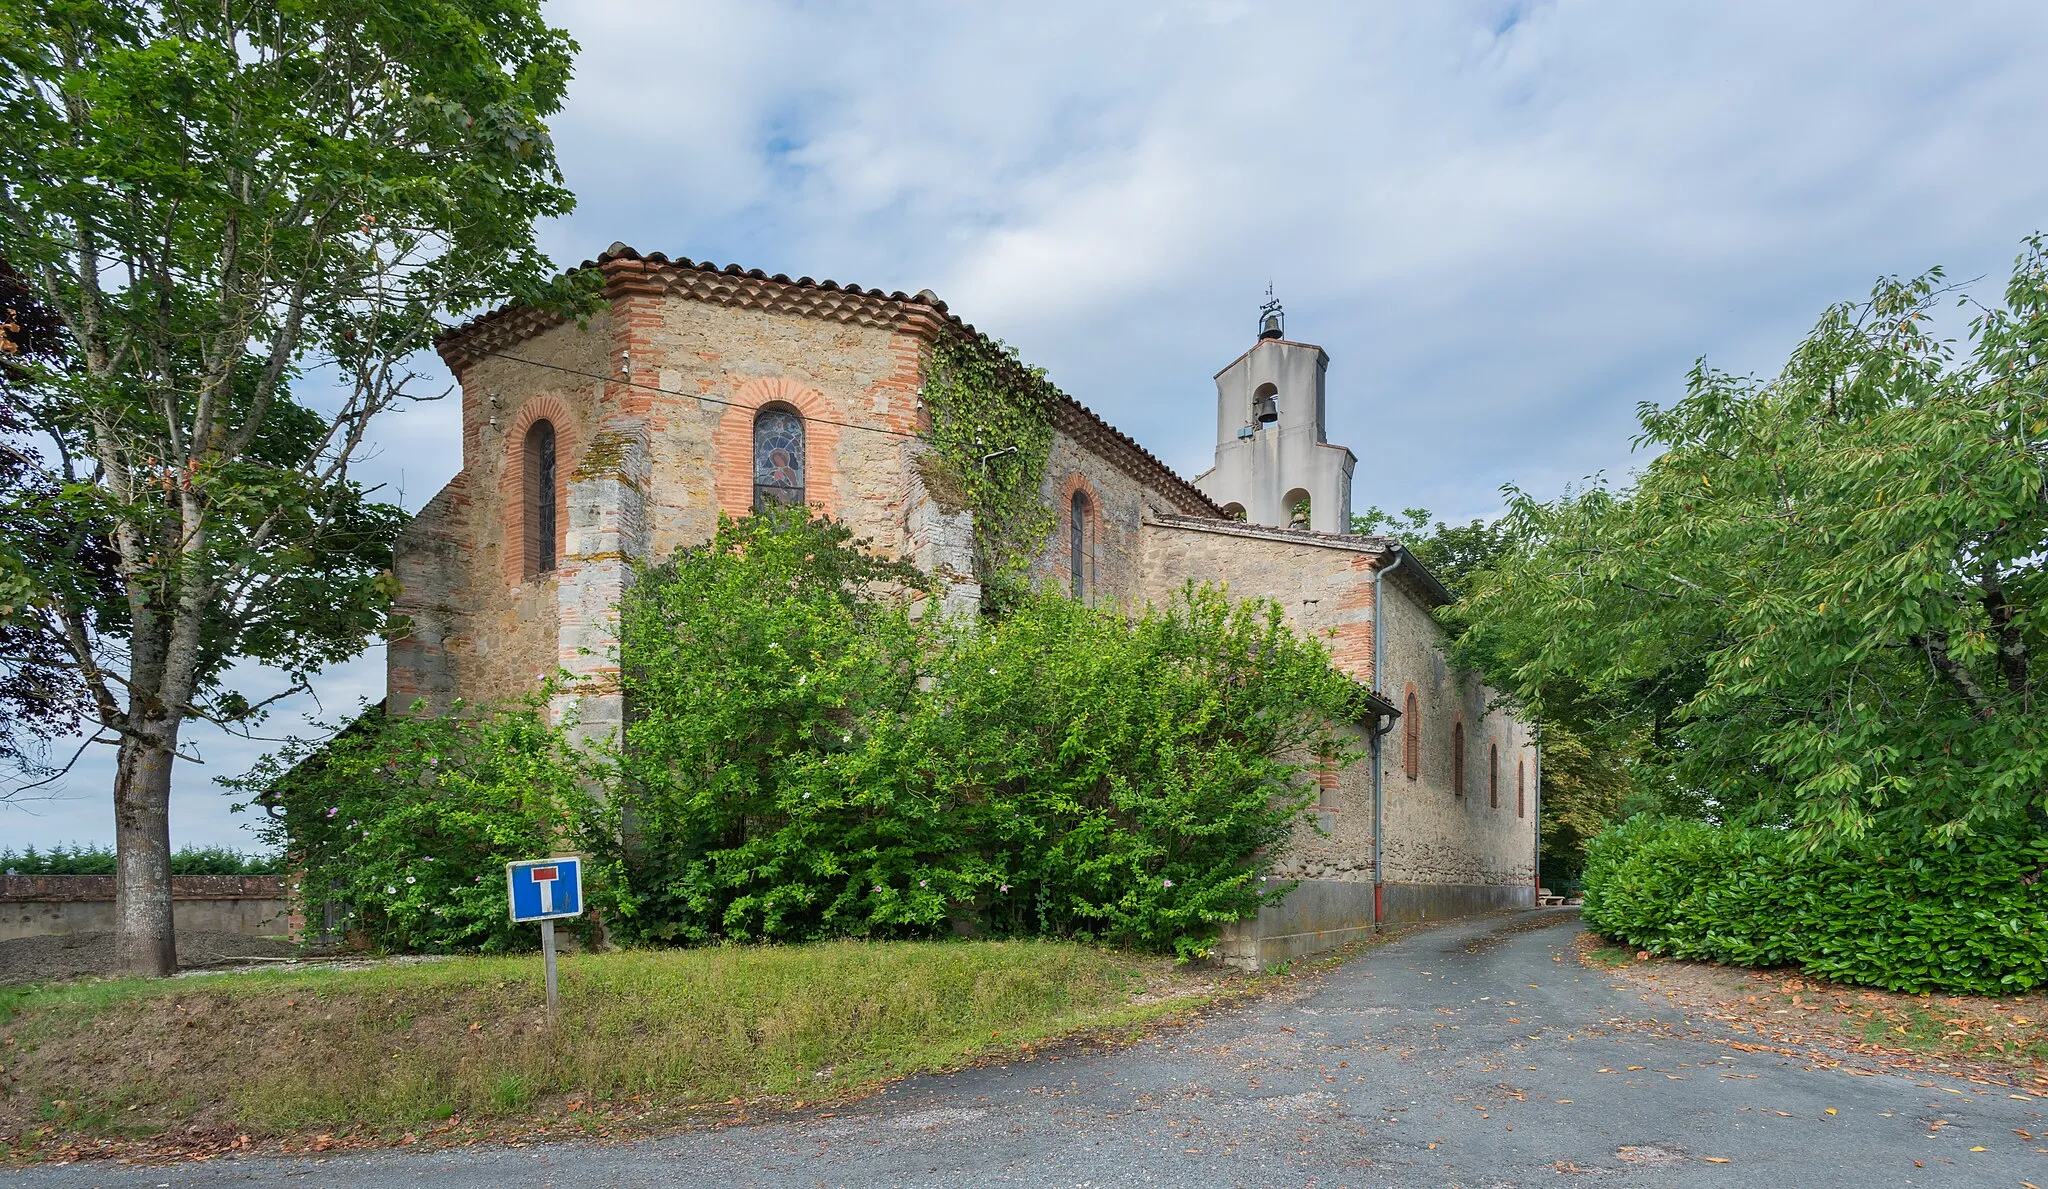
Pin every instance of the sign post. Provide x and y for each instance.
(545, 890)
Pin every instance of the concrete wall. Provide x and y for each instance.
(1258, 472)
(37, 905)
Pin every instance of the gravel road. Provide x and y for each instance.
(1478, 1053)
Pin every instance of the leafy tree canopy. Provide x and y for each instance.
(214, 201)
(1820, 604)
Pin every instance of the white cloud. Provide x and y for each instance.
(1507, 222)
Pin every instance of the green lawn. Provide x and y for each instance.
(400, 1046)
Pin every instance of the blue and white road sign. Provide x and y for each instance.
(544, 889)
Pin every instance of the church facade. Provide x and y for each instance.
(697, 390)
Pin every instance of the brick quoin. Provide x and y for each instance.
(512, 477)
(733, 444)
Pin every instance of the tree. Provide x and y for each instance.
(1828, 587)
(216, 201)
(1586, 761)
(1453, 552)
(39, 702)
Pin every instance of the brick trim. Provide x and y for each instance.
(1458, 745)
(1091, 532)
(1411, 733)
(628, 275)
(512, 478)
(732, 444)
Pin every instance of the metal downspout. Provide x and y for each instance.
(1536, 746)
(1379, 735)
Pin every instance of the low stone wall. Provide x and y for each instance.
(36, 905)
(1321, 914)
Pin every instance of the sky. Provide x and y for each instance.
(1507, 223)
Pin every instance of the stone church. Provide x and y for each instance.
(696, 390)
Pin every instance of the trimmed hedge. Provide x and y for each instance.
(1881, 913)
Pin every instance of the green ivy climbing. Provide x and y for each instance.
(991, 435)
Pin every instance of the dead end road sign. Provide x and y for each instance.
(545, 890)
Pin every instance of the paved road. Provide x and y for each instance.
(1460, 1055)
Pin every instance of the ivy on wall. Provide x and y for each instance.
(990, 438)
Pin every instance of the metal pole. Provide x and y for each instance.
(547, 952)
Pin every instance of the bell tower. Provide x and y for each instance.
(1274, 464)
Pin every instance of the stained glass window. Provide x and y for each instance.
(540, 498)
(778, 458)
(1077, 544)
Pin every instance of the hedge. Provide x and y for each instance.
(1916, 917)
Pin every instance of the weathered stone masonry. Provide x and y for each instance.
(653, 401)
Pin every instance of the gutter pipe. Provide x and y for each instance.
(1536, 746)
(1379, 736)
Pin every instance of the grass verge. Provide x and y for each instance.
(388, 1052)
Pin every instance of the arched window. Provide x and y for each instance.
(1411, 735)
(539, 466)
(1266, 405)
(1457, 759)
(1233, 511)
(1077, 544)
(1493, 776)
(1297, 504)
(1521, 802)
(778, 457)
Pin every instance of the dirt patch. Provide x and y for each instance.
(57, 957)
(1999, 1040)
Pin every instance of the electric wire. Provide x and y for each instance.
(710, 400)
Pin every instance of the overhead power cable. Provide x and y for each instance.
(710, 400)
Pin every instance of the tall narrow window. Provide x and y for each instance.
(1457, 759)
(1521, 802)
(540, 498)
(778, 457)
(1493, 776)
(1411, 735)
(1077, 544)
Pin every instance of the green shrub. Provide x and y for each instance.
(99, 860)
(402, 825)
(806, 759)
(1879, 912)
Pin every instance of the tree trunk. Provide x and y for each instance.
(144, 941)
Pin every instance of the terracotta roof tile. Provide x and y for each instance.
(626, 271)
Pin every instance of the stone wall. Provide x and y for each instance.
(665, 386)
(484, 630)
(1113, 534)
(1444, 855)
(1435, 837)
(1322, 581)
(38, 905)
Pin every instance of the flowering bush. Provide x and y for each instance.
(805, 759)
(400, 827)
